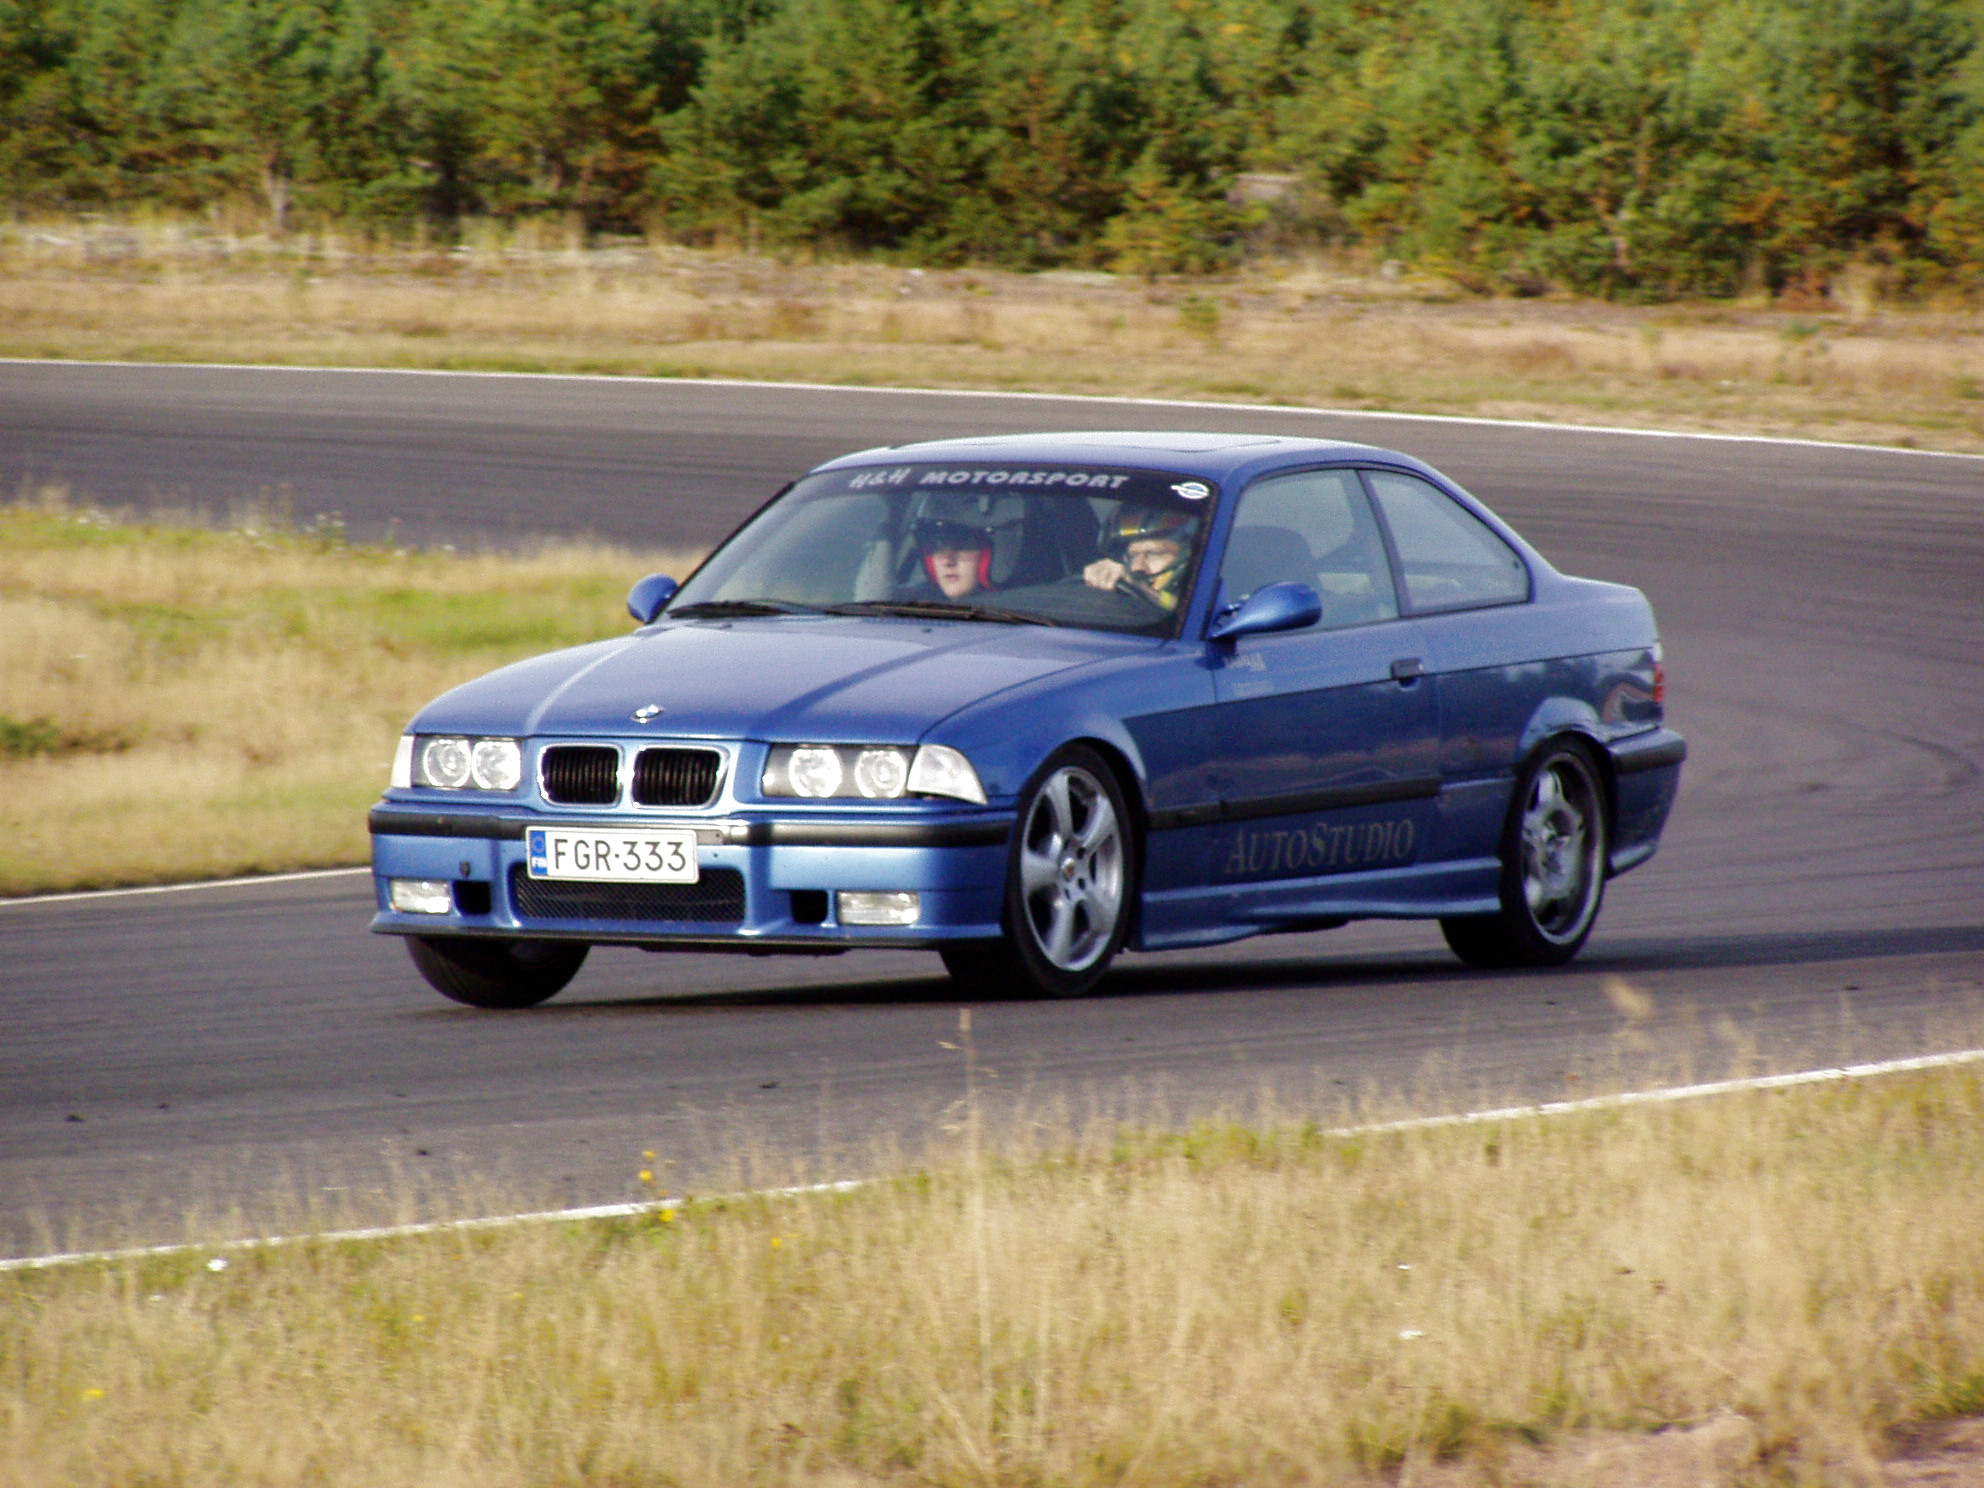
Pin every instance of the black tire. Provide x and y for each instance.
(1069, 881)
(497, 973)
(1554, 856)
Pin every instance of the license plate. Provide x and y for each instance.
(613, 854)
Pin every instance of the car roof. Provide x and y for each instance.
(1197, 453)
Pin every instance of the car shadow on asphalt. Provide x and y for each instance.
(1141, 977)
(1780, 948)
(1122, 982)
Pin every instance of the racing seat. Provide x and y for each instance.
(1354, 578)
(1265, 555)
(1058, 539)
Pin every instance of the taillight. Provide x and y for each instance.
(1659, 684)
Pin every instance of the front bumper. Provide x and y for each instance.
(766, 883)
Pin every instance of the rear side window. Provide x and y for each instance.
(1449, 558)
(1313, 527)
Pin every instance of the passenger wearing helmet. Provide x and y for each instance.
(1148, 554)
(957, 556)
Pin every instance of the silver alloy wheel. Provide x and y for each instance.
(1071, 869)
(1562, 834)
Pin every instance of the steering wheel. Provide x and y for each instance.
(1126, 586)
(1137, 589)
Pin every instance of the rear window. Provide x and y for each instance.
(1449, 558)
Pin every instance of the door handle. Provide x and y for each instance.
(1407, 670)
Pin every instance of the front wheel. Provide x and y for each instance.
(496, 973)
(1554, 854)
(1068, 885)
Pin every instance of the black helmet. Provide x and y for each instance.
(938, 534)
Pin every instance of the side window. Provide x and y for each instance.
(1450, 559)
(1313, 527)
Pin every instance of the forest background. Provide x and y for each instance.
(1638, 149)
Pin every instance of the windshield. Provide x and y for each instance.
(1099, 547)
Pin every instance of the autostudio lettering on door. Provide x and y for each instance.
(1320, 847)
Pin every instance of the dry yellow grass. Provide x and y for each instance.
(179, 702)
(1764, 1288)
(1309, 333)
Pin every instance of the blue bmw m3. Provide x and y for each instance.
(1027, 701)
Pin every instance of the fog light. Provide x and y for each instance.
(422, 896)
(862, 908)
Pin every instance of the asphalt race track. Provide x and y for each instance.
(1819, 898)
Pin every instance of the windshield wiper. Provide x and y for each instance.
(720, 609)
(938, 609)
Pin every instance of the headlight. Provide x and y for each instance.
(496, 764)
(881, 773)
(449, 762)
(814, 771)
(444, 762)
(872, 772)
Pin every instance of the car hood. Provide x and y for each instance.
(793, 679)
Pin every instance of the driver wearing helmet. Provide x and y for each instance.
(957, 556)
(1148, 546)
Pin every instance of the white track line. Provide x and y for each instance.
(1663, 1096)
(1677, 1093)
(401, 1232)
(923, 392)
(88, 895)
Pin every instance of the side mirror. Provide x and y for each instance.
(1283, 606)
(645, 599)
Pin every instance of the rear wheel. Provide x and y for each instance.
(1068, 883)
(496, 973)
(1554, 852)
